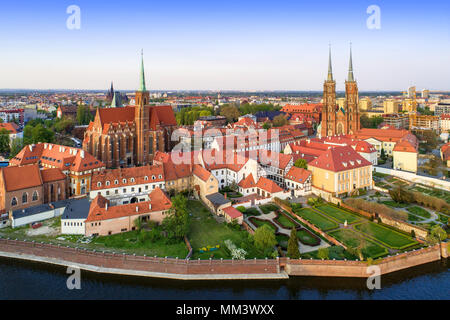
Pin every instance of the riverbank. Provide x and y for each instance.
(181, 269)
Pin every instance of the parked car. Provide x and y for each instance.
(36, 225)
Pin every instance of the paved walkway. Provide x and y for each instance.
(303, 248)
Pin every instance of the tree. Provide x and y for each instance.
(301, 163)
(16, 146)
(323, 253)
(230, 112)
(177, 222)
(264, 238)
(438, 233)
(279, 120)
(4, 141)
(292, 249)
(266, 125)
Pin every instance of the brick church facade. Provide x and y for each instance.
(131, 135)
(340, 120)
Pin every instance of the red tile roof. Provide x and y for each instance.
(298, 174)
(141, 175)
(98, 210)
(340, 159)
(201, 172)
(52, 174)
(10, 126)
(18, 178)
(232, 212)
(248, 182)
(268, 185)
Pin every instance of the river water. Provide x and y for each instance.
(29, 280)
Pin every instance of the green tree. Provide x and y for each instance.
(266, 125)
(264, 238)
(279, 120)
(177, 222)
(16, 146)
(301, 163)
(323, 253)
(41, 134)
(231, 112)
(438, 234)
(4, 141)
(292, 249)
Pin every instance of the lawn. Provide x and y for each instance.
(132, 241)
(387, 236)
(394, 204)
(433, 192)
(282, 240)
(338, 214)
(285, 221)
(351, 239)
(307, 238)
(204, 230)
(317, 219)
(419, 211)
(252, 212)
(268, 208)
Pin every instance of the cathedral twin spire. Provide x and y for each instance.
(350, 77)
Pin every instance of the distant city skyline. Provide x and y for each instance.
(198, 45)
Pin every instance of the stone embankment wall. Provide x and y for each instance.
(206, 269)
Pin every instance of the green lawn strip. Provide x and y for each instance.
(351, 239)
(306, 237)
(259, 223)
(285, 222)
(389, 237)
(419, 211)
(414, 218)
(338, 214)
(252, 212)
(131, 240)
(394, 204)
(204, 230)
(317, 219)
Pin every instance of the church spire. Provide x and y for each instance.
(142, 82)
(114, 103)
(330, 70)
(350, 67)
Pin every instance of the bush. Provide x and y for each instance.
(375, 208)
(241, 209)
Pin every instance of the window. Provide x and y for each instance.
(132, 179)
(116, 181)
(99, 184)
(107, 183)
(35, 196)
(145, 178)
(14, 201)
(24, 197)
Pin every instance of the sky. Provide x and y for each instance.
(224, 45)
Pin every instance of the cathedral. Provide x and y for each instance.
(131, 135)
(344, 119)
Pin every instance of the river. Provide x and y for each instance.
(30, 280)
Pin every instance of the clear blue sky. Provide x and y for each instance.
(224, 45)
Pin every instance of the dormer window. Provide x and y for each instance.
(145, 178)
(132, 179)
(124, 180)
(107, 183)
(99, 184)
(116, 181)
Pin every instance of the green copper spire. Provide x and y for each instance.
(350, 67)
(330, 70)
(114, 101)
(142, 82)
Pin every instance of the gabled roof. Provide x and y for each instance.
(140, 175)
(298, 174)
(10, 126)
(268, 185)
(217, 199)
(18, 178)
(201, 172)
(52, 174)
(248, 182)
(340, 159)
(232, 212)
(99, 210)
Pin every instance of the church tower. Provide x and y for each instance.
(351, 100)
(141, 118)
(328, 127)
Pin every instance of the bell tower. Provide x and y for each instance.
(141, 119)
(329, 103)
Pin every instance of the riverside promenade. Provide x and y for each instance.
(182, 269)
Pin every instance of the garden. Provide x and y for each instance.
(352, 239)
(387, 236)
(338, 214)
(317, 219)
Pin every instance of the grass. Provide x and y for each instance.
(317, 219)
(351, 239)
(259, 223)
(379, 174)
(282, 240)
(419, 211)
(285, 221)
(307, 238)
(338, 214)
(387, 236)
(252, 212)
(268, 208)
(130, 240)
(438, 193)
(394, 204)
(204, 230)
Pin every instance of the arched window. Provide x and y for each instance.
(35, 196)
(145, 178)
(107, 183)
(132, 179)
(99, 184)
(24, 197)
(124, 180)
(153, 177)
(116, 181)
(14, 201)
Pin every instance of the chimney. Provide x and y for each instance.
(225, 195)
(106, 206)
(82, 154)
